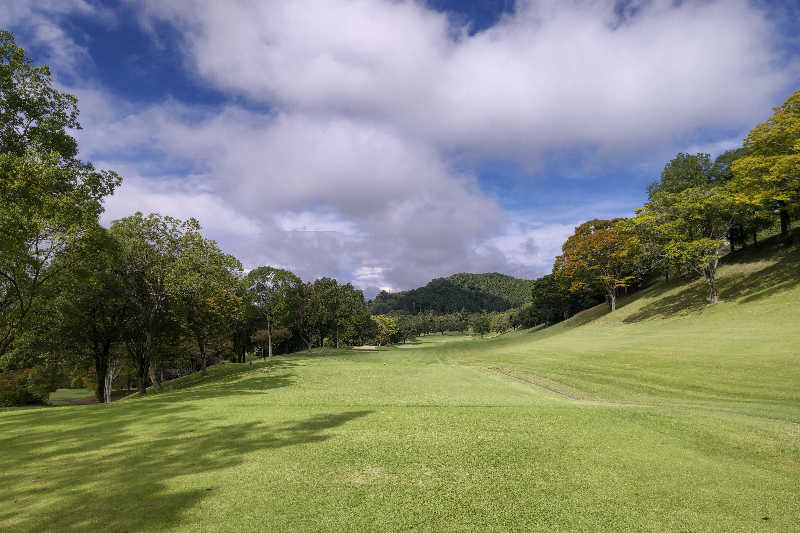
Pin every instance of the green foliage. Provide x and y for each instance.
(481, 324)
(682, 172)
(202, 284)
(513, 290)
(406, 329)
(769, 175)
(692, 226)
(500, 322)
(150, 249)
(26, 386)
(48, 206)
(49, 200)
(270, 291)
(386, 328)
(32, 112)
(602, 254)
(470, 292)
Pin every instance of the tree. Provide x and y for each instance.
(500, 322)
(307, 312)
(271, 290)
(352, 317)
(682, 172)
(149, 248)
(386, 326)
(481, 324)
(693, 225)
(405, 327)
(768, 177)
(49, 201)
(601, 254)
(92, 312)
(330, 300)
(202, 285)
(32, 112)
(246, 322)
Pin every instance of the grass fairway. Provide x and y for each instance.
(665, 416)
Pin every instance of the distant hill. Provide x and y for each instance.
(471, 292)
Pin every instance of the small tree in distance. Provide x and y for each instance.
(481, 324)
(387, 327)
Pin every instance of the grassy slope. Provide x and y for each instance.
(688, 419)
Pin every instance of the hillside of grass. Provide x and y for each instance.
(666, 415)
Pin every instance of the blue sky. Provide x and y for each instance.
(387, 143)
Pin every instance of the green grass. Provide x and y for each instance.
(668, 415)
(67, 396)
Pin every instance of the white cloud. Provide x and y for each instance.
(350, 173)
(38, 23)
(317, 196)
(553, 75)
(532, 248)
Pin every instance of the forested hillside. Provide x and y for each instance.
(470, 292)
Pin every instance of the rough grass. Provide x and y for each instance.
(668, 415)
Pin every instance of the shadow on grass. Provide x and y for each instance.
(227, 380)
(743, 288)
(112, 468)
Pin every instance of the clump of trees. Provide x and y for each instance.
(697, 212)
(149, 298)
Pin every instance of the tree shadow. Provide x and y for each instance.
(242, 380)
(109, 468)
(742, 288)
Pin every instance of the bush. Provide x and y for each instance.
(27, 386)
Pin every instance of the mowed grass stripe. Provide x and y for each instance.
(689, 422)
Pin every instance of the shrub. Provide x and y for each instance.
(27, 386)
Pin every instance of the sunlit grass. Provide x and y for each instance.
(668, 415)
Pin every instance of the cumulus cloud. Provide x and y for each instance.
(39, 23)
(333, 196)
(371, 105)
(552, 75)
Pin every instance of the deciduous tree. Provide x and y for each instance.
(769, 175)
(272, 290)
(602, 254)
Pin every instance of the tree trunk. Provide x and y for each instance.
(203, 358)
(141, 377)
(712, 287)
(337, 336)
(269, 339)
(784, 215)
(148, 347)
(153, 376)
(111, 373)
(100, 369)
(611, 299)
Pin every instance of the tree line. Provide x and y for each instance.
(699, 210)
(150, 298)
(145, 300)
